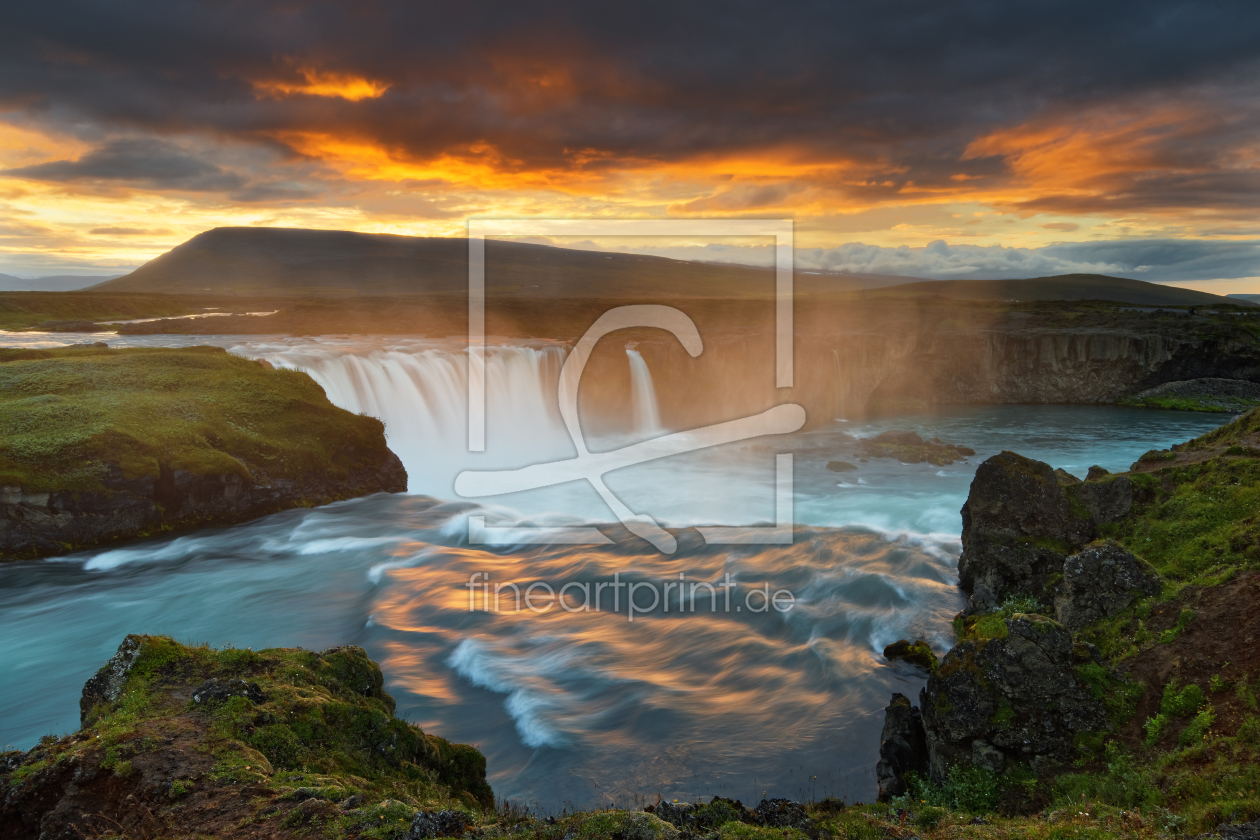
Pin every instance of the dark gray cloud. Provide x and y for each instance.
(903, 87)
(144, 162)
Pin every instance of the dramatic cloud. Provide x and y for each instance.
(975, 120)
(143, 162)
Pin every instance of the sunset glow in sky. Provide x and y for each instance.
(1119, 135)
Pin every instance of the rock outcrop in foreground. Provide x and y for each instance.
(102, 446)
(1017, 689)
(1021, 522)
(1010, 697)
(180, 741)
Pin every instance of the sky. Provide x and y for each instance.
(950, 138)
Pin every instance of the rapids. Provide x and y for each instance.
(570, 706)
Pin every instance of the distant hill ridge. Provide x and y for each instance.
(54, 283)
(323, 263)
(279, 261)
(1061, 287)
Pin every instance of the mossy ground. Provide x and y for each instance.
(1197, 512)
(324, 733)
(68, 412)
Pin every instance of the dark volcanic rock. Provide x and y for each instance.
(1018, 527)
(1100, 582)
(781, 813)
(1011, 698)
(217, 691)
(840, 466)
(105, 686)
(699, 819)
(448, 823)
(11, 760)
(1107, 499)
(1237, 831)
(919, 653)
(44, 524)
(898, 438)
(902, 747)
(1066, 479)
(982, 600)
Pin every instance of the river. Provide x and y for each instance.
(571, 706)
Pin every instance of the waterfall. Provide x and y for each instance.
(647, 416)
(419, 388)
(421, 394)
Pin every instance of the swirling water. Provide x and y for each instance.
(569, 705)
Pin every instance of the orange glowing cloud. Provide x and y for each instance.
(1104, 148)
(324, 83)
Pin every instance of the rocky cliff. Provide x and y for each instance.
(865, 358)
(47, 523)
(1110, 626)
(101, 446)
(190, 741)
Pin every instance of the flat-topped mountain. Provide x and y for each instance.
(292, 261)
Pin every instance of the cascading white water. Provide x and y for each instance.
(647, 415)
(421, 393)
(420, 390)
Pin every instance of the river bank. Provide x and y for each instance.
(109, 445)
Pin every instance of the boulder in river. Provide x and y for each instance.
(909, 448)
(919, 653)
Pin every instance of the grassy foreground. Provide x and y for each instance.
(307, 746)
(68, 412)
(301, 732)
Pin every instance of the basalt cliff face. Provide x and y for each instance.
(851, 357)
(50, 523)
(854, 363)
